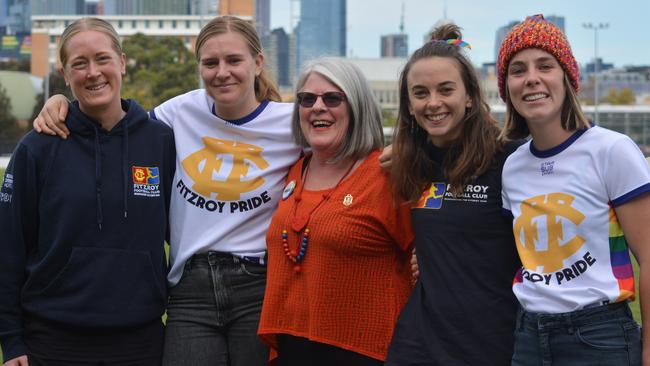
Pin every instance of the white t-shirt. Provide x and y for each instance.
(229, 176)
(572, 248)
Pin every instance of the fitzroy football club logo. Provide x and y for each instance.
(146, 181)
(206, 164)
(540, 235)
(433, 197)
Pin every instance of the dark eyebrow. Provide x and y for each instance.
(416, 86)
(444, 83)
(544, 59)
(447, 83)
(77, 57)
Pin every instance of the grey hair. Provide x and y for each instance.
(365, 132)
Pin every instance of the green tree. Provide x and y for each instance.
(10, 132)
(57, 86)
(158, 68)
(388, 118)
(623, 97)
(626, 96)
(611, 96)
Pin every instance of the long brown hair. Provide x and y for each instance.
(473, 151)
(264, 86)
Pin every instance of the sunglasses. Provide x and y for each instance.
(330, 99)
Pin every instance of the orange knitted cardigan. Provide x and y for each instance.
(355, 276)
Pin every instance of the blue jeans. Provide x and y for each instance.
(214, 312)
(602, 335)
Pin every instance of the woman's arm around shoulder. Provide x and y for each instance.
(51, 118)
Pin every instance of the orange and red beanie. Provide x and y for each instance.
(536, 32)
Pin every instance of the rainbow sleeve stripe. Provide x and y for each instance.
(519, 277)
(620, 259)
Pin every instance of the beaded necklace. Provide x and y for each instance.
(298, 223)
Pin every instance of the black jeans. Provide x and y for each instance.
(214, 312)
(53, 344)
(298, 351)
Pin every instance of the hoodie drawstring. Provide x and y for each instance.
(125, 168)
(98, 179)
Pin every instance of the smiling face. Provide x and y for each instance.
(228, 71)
(323, 127)
(94, 70)
(535, 83)
(437, 98)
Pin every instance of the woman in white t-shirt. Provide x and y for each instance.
(578, 196)
(233, 150)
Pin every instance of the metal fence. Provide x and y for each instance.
(633, 121)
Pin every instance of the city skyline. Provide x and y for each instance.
(622, 43)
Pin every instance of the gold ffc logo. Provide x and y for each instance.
(201, 165)
(554, 207)
(139, 175)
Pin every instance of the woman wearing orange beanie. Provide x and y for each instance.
(578, 196)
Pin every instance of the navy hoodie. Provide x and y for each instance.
(83, 223)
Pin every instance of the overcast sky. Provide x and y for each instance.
(625, 42)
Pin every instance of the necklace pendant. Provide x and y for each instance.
(299, 222)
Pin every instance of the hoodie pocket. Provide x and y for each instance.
(120, 286)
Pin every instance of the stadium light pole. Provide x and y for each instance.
(595, 28)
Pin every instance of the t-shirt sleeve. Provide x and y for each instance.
(505, 200)
(164, 113)
(626, 172)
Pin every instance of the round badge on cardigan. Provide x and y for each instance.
(288, 190)
(347, 200)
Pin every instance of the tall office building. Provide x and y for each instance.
(276, 49)
(263, 16)
(92, 8)
(394, 45)
(501, 34)
(146, 7)
(321, 30)
(503, 31)
(15, 30)
(58, 7)
(18, 21)
(205, 7)
(4, 10)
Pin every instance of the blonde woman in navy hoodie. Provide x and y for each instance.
(82, 269)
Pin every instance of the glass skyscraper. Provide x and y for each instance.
(321, 30)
